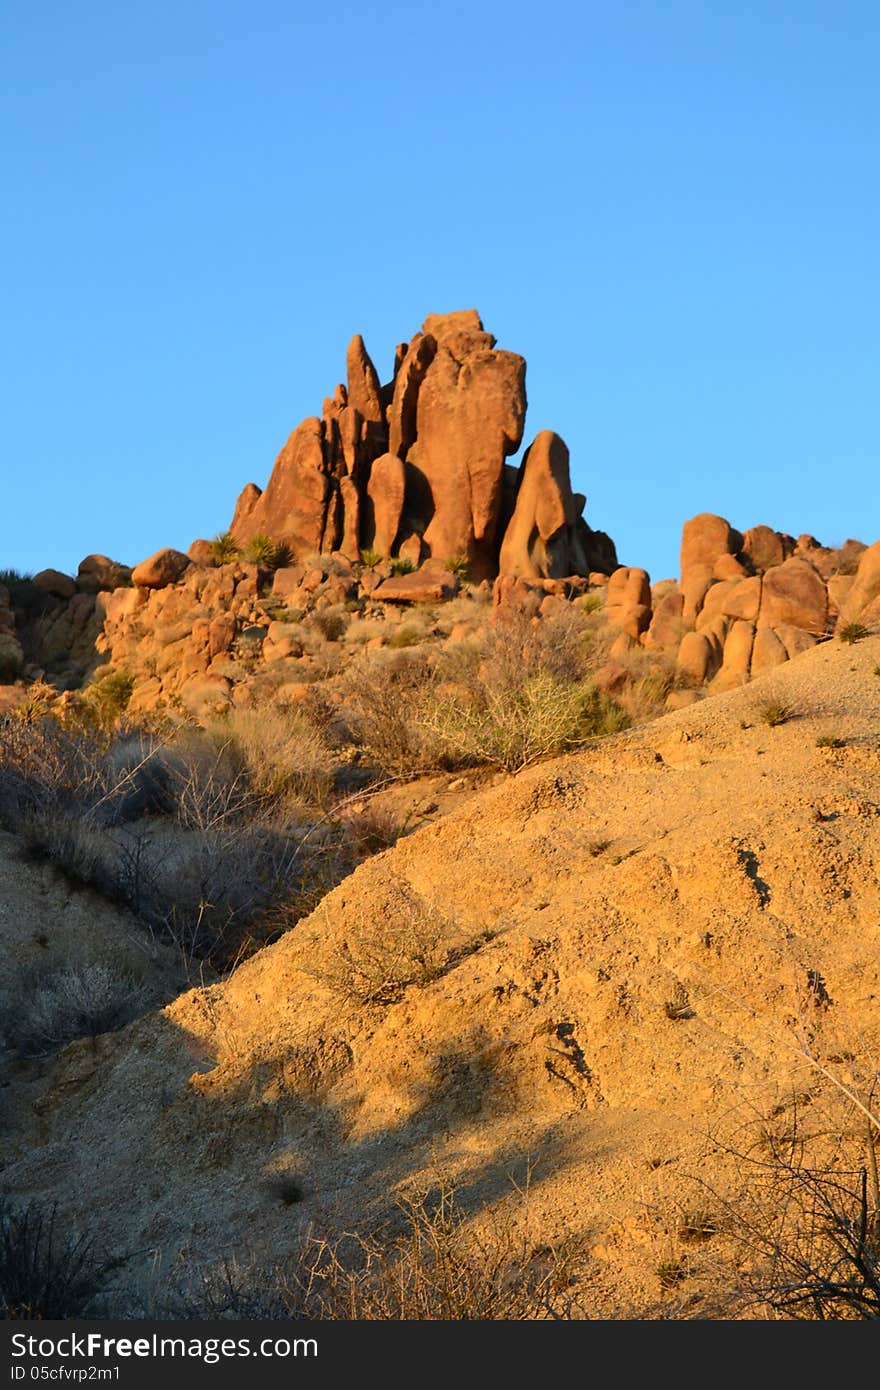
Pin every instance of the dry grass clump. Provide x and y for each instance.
(277, 750)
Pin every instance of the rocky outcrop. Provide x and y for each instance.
(546, 536)
(416, 468)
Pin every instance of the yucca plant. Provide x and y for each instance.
(261, 550)
(371, 557)
(224, 548)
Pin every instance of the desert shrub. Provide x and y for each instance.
(852, 633)
(377, 964)
(261, 550)
(406, 635)
(109, 695)
(280, 750)
(55, 1005)
(225, 548)
(830, 741)
(515, 648)
(775, 712)
(807, 1220)
(332, 623)
(45, 1274)
(401, 565)
(387, 694)
(459, 566)
(512, 728)
(371, 558)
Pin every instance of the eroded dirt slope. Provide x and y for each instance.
(635, 943)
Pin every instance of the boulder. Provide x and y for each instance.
(166, 567)
(768, 652)
(294, 507)
(97, 572)
(364, 390)
(698, 657)
(201, 552)
(55, 583)
(743, 600)
(862, 603)
(629, 600)
(764, 548)
(736, 660)
(546, 535)
(469, 417)
(430, 584)
(386, 490)
(666, 629)
(794, 593)
(704, 540)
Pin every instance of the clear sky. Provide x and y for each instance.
(670, 207)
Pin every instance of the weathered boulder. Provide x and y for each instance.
(97, 572)
(704, 540)
(764, 548)
(166, 567)
(293, 508)
(768, 651)
(201, 552)
(666, 629)
(364, 390)
(629, 600)
(862, 603)
(469, 417)
(794, 593)
(743, 600)
(55, 583)
(386, 490)
(546, 535)
(737, 656)
(430, 584)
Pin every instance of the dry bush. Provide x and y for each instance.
(378, 963)
(439, 1267)
(512, 727)
(386, 694)
(807, 1218)
(53, 1004)
(517, 647)
(44, 1273)
(427, 1263)
(276, 751)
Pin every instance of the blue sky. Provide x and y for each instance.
(671, 209)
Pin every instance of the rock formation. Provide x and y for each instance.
(416, 468)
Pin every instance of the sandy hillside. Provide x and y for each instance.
(616, 954)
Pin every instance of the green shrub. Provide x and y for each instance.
(830, 741)
(261, 550)
(371, 558)
(109, 696)
(775, 712)
(853, 632)
(401, 565)
(459, 566)
(225, 548)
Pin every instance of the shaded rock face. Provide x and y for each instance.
(416, 467)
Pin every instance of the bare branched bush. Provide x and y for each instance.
(427, 1263)
(52, 1006)
(279, 752)
(806, 1217)
(387, 693)
(378, 963)
(45, 1273)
